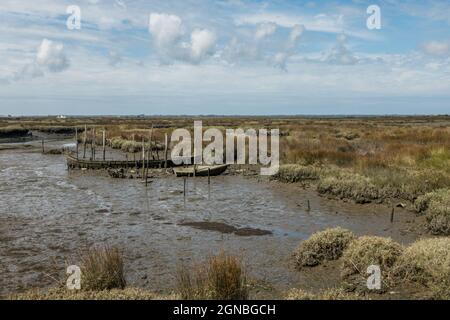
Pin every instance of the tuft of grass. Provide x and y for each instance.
(114, 294)
(102, 269)
(436, 206)
(347, 185)
(221, 277)
(366, 251)
(297, 173)
(324, 245)
(427, 262)
(327, 294)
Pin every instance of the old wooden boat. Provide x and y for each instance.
(78, 163)
(201, 171)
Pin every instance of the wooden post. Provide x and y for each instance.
(209, 176)
(84, 141)
(76, 140)
(166, 143)
(392, 215)
(94, 136)
(309, 206)
(104, 146)
(43, 149)
(143, 158)
(184, 190)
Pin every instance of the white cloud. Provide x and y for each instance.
(165, 29)
(51, 55)
(436, 48)
(167, 32)
(202, 44)
(280, 58)
(340, 54)
(264, 30)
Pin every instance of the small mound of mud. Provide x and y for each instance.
(225, 228)
(54, 152)
(251, 232)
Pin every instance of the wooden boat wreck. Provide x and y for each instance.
(77, 163)
(201, 171)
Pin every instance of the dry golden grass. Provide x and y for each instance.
(221, 277)
(322, 246)
(102, 269)
(327, 294)
(364, 252)
(427, 262)
(114, 294)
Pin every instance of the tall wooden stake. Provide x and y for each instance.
(76, 140)
(43, 149)
(94, 142)
(104, 145)
(143, 158)
(166, 142)
(392, 215)
(84, 141)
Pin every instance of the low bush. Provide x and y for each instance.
(366, 251)
(427, 262)
(324, 245)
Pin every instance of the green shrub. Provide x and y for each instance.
(324, 245)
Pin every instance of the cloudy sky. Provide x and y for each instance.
(224, 57)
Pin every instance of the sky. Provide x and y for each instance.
(224, 57)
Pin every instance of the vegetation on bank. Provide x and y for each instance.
(221, 277)
(323, 246)
(424, 263)
(113, 294)
(436, 206)
(13, 131)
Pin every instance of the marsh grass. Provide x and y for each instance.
(102, 269)
(326, 294)
(427, 262)
(436, 206)
(364, 252)
(128, 293)
(323, 246)
(221, 277)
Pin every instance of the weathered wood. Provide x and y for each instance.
(84, 141)
(392, 215)
(104, 145)
(76, 140)
(166, 142)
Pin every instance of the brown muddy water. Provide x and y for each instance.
(48, 215)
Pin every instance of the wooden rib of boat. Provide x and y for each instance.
(201, 171)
